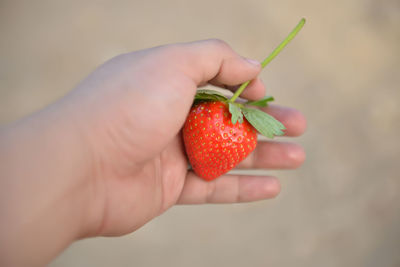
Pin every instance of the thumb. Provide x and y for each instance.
(214, 61)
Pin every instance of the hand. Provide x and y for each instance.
(138, 104)
(108, 157)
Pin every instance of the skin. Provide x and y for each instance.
(108, 157)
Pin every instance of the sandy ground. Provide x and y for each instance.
(342, 208)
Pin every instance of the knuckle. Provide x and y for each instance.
(170, 51)
(298, 156)
(219, 43)
(299, 121)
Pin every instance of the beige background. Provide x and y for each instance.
(342, 208)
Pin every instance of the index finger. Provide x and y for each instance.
(291, 118)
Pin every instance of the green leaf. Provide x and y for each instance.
(236, 112)
(211, 92)
(260, 103)
(209, 95)
(264, 123)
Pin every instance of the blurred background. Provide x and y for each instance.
(341, 208)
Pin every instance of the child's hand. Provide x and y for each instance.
(126, 162)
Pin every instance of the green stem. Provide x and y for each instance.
(271, 56)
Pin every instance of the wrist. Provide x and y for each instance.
(43, 187)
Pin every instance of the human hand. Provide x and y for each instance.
(108, 157)
(135, 106)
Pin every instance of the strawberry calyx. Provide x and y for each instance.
(204, 95)
(264, 123)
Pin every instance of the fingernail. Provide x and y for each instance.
(253, 62)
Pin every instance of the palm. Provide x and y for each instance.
(146, 193)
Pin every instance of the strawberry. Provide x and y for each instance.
(219, 133)
(213, 144)
(217, 136)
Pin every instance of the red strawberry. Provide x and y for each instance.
(213, 144)
(217, 136)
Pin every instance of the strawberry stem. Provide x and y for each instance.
(271, 56)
